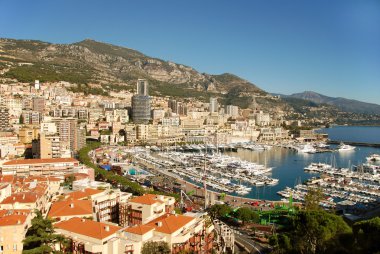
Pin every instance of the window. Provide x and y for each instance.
(15, 246)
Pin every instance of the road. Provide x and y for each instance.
(248, 243)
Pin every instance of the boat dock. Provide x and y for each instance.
(334, 142)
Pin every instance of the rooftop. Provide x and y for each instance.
(21, 197)
(88, 228)
(13, 217)
(146, 199)
(39, 161)
(139, 229)
(170, 223)
(88, 192)
(70, 208)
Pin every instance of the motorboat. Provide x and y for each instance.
(373, 157)
(343, 147)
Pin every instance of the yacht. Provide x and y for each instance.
(307, 148)
(343, 147)
(373, 157)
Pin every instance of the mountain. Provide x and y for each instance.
(117, 68)
(343, 104)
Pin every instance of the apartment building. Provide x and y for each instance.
(67, 209)
(13, 226)
(143, 209)
(27, 133)
(4, 118)
(46, 147)
(39, 167)
(90, 236)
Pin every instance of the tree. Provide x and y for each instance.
(246, 214)
(367, 235)
(313, 230)
(40, 237)
(312, 199)
(155, 247)
(69, 181)
(219, 211)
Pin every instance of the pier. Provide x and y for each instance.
(334, 142)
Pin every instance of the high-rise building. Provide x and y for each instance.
(142, 87)
(31, 117)
(38, 104)
(232, 110)
(71, 134)
(46, 147)
(141, 103)
(4, 118)
(213, 105)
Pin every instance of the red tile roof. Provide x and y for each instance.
(146, 199)
(81, 194)
(170, 223)
(139, 229)
(71, 208)
(88, 228)
(21, 197)
(13, 217)
(39, 161)
(7, 178)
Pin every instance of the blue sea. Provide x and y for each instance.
(288, 166)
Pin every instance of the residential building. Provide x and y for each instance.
(141, 103)
(214, 106)
(39, 167)
(67, 209)
(38, 104)
(232, 110)
(143, 209)
(90, 236)
(46, 147)
(4, 118)
(13, 227)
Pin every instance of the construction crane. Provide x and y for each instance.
(182, 202)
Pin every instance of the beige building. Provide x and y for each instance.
(90, 236)
(143, 209)
(46, 147)
(13, 227)
(28, 133)
(39, 167)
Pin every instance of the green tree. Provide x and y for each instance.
(246, 214)
(312, 199)
(40, 237)
(219, 211)
(313, 230)
(155, 247)
(69, 181)
(366, 236)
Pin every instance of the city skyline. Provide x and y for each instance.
(329, 48)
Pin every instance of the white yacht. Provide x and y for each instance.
(373, 157)
(343, 147)
(307, 148)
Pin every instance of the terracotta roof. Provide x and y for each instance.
(7, 178)
(13, 219)
(139, 229)
(146, 199)
(70, 208)
(170, 223)
(78, 176)
(39, 161)
(83, 193)
(88, 228)
(21, 197)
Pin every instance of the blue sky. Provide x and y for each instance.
(331, 47)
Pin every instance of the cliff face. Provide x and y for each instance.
(108, 63)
